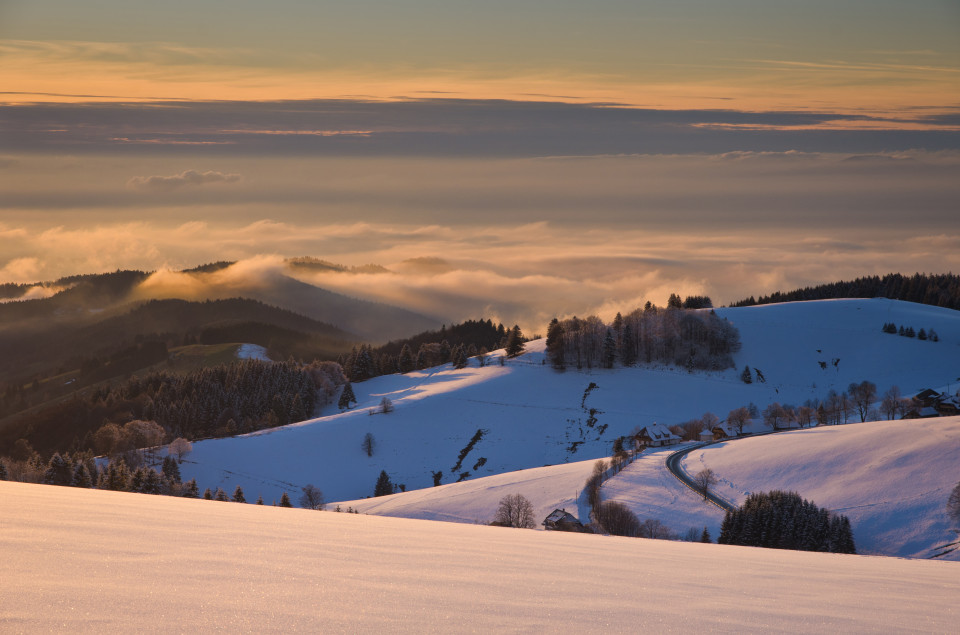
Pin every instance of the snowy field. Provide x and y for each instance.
(98, 561)
(891, 478)
(533, 416)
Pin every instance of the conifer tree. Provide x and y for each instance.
(609, 349)
(171, 469)
(745, 376)
(555, 348)
(259, 500)
(207, 494)
(705, 536)
(4, 475)
(59, 471)
(514, 345)
(285, 501)
(383, 487)
(152, 482)
(459, 357)
(221, 495)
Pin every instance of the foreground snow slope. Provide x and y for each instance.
(97, 561)
(891, 478)
(535, 416)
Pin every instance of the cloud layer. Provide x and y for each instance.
(186, 178)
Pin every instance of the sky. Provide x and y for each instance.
(577, 156)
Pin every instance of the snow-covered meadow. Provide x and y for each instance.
(98, 561)
(534, 416)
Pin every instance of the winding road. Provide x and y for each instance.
(673, 464)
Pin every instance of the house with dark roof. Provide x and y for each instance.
(657, 435)
(562, 520)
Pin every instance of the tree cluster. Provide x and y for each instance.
(922, 334)
(692, 339)
(784, 520)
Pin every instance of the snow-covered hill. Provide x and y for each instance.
(533, 416)
(891, 478)
(79, 560)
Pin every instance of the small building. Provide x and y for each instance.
(707, 435)
(927, 397)
(656, 435)
(948, 407)
(562, 520)
(722, 432)
(925, 412)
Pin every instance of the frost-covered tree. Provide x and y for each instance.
(179, 448)
(406, 361)
(515, 511)
(347, 397)
(191, 490)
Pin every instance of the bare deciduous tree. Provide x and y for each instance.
(312, 497)
(368, 444)
(704, 480)
(890, 405)
(617, 519)
(738, 418)
(515, 511)
(862, 395)
(386, 406)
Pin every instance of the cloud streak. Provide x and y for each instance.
(187, 178)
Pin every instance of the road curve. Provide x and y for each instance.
(673, 464)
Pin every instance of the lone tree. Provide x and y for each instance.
(704, 480)
(179, 448)
(746, 377)
(311, 498)
(862, 395)
(383, 487)
(515, 511)
(285, 500)
(238, 496)
(346, 397)
(386, 406)
(738, 418)
(368, 444)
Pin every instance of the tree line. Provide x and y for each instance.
(933, 289)
(219, 401)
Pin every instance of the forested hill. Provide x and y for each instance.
(941, 290)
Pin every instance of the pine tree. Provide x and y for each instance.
(921, 334)
(259, 500)
(745, 376)
(346, 397)
(459, 357)
(152, 482)
(4, 475)
(221, 495)
(59, 471)
(628, 351)
(207, 494)
(285, 501)
(705, 536)
(238, 495)
(383, 487)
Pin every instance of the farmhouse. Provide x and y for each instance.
(657, 435)
(562, 520)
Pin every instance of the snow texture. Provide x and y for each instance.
(98, 561)
(252, 351)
